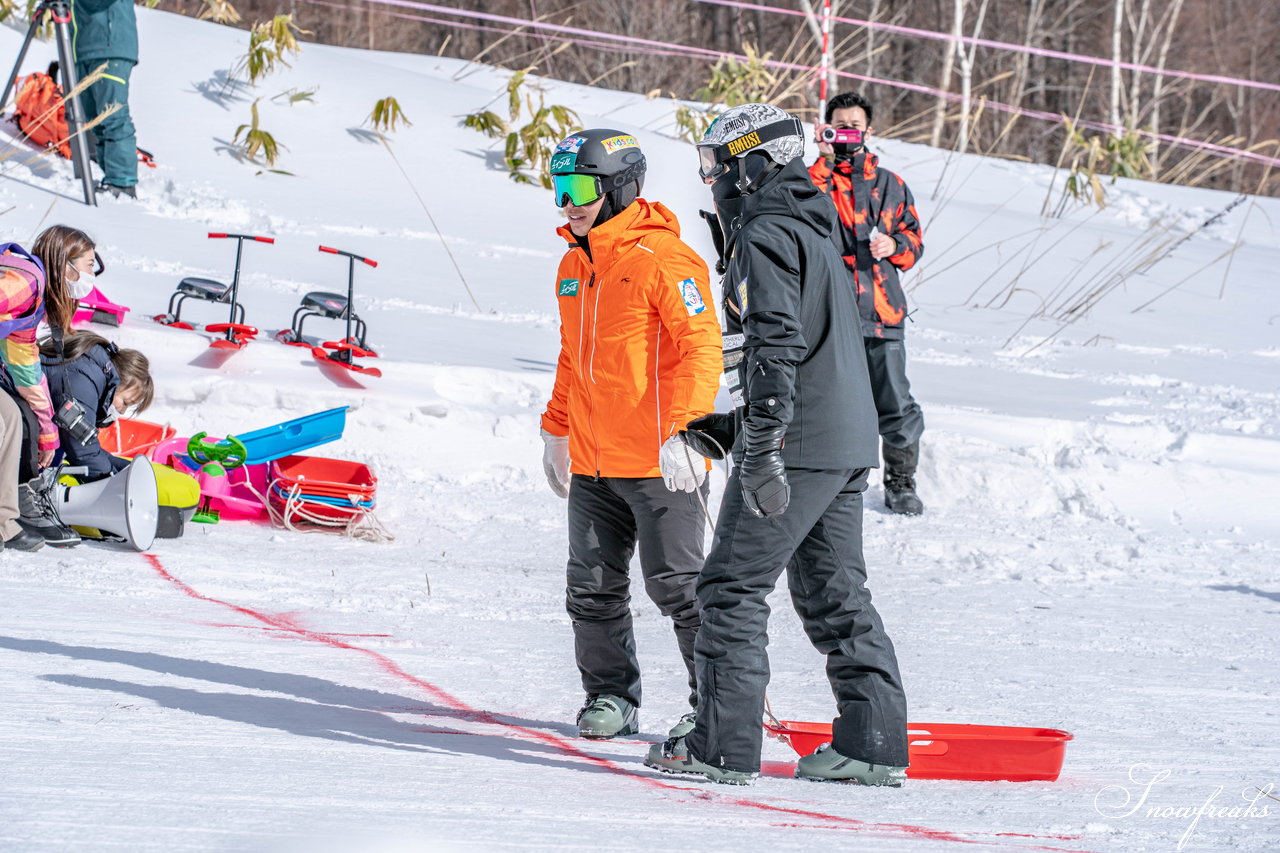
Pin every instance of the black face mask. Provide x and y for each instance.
(846, 150)
(616, 201)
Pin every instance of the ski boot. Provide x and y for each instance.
(827, 765)
(684, 726)
(38, 515)
(673, 757)
(900, 479)
(604, 716)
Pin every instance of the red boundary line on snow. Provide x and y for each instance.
(444, 697)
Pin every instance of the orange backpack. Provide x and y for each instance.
(40, 113)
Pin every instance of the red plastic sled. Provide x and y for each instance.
(130, 437)
(958, 751)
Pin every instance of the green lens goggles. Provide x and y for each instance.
(577, 190)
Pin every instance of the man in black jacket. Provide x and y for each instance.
(804, 430)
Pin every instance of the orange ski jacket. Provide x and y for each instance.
(639, 343)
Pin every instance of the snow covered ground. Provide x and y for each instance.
(1101, 551)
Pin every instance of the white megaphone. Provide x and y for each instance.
(125, 505)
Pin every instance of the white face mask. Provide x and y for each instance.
(80, 288)
(113, 414)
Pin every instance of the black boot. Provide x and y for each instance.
(38, 514)
(24, 540)
(116, 190)
(900, 479)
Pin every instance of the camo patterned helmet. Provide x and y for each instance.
(746, 128)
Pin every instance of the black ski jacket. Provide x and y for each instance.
(793, 345)
(92, 380)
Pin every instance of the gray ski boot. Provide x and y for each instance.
(674, 757)
(604, 716)
(684, 726)
(900, 479)
(827, 765)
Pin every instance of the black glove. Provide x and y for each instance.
(710, 435)
(763, 476)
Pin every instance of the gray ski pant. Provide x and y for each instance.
(901, 420)
(819, 541)
(608, 518)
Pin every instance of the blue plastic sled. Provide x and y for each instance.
(295, 436)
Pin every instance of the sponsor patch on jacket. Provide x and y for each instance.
(692, 298)
(569, 286)
(572, 144)
(616, 143)
(742, 295)
(728, 342)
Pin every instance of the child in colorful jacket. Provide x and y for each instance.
(21, 310)
(46, 284)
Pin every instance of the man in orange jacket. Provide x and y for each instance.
(639, 357)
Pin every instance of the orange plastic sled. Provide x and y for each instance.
(958, 751)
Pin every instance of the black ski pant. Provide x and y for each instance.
(819, 541)
(901, 420)
(608, 517)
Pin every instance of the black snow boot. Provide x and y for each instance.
(38, 514)
(24, 540)
(116, 190)
(900, 479)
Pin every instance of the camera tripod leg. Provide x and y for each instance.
(60, 10)
(75, 116)
(13, 75)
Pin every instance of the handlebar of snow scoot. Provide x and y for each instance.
(334, 251)
(215, 236)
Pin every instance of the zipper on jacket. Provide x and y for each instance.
(590, 378)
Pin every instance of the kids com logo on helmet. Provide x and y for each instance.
(595, 163)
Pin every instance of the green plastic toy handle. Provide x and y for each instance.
(230, 452)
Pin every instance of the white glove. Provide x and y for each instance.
(555, 462)
(683, 470)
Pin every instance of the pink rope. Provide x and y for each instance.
(1016, 48)
(572, 34)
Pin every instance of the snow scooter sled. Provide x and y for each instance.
(334, 306)
(95, 307)
(233, 334)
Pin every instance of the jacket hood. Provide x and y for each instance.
(614, 238)
(789, 193)
(97, 367)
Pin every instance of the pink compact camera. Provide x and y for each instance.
(847, 135)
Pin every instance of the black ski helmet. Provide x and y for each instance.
(614, 158)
